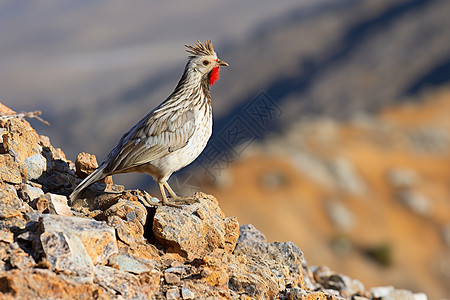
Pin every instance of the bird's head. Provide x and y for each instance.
(204, 60)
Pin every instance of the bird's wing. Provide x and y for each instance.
(160, 132)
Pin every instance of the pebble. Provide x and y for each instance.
(35, 166)
(187, 293)
(171, 278)
(173, 293)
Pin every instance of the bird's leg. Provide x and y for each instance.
(164, 196)
(171, 192)
(185, 200)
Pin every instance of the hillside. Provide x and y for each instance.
(368, 196)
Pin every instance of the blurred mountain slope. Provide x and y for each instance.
(330, 59)
(368, 195)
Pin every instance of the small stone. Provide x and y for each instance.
(154, 200)
(127, 285)
(20, 140)
(173, 294)
(130, 263)
(28, 193)
(58, 205)
(401, 295)
(35, 165)
(131, 233)
(340, 215)
(420, 296)
(415, 201)
(128, 218)
(187, 293)
(9, 170)
(41, 203)
(347, 177)
(10, 204)
(98, 238)
(277, 265)
(6, 236)
(248, 233)
(171, 278)
(231, 233)
(381, 291)
(66, 253)
(177, 270)
(18, 258)
(183, 231)
(85, 164)
(32, 216)
(402, 178)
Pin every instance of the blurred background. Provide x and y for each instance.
(332, 123)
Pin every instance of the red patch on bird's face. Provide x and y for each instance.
(213, 76)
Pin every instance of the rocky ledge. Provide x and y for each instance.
(122, 244)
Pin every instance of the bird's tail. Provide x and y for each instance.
(97, 175)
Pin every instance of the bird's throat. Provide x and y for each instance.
(213, 76)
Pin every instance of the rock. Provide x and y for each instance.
(346, 176)
(6, 236)
(41, 203)
(279, 264)
(128, 218)
(312, 167)
(18, 258)
(419, 296)
(171, 278)
(231, 233)
(28, 193)
(248, 234)
(98, 238)
(66, 253)
(415, 201)
(19, 139)
(85, 164)
(9, 170)
(129, 263)
(402, 178)
(195, 230)
(177, 270)
(272, 180)
(300, 294)
(58, 205)
(344, 285)
(127, 285)
(35, 165)
(10, 204)
(44, 284)
(173, 294)
(187, 293)
(381, 292)
(390, 293)
(342, 218)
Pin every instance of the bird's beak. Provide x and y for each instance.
(222, 63)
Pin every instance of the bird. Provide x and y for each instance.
(173, 134)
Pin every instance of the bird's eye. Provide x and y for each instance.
(205, 62)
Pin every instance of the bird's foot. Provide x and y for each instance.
(177, 201)
(171, 204)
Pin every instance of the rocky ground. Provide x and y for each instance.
(122, 244)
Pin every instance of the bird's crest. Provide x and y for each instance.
(199, 49)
